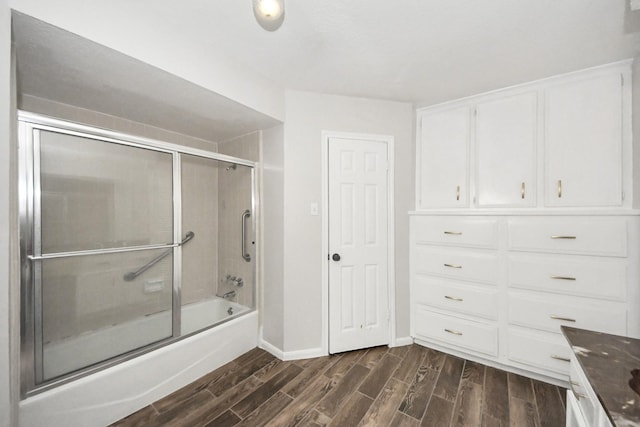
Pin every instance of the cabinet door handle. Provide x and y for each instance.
(564, 359)
(453, 265)
(522, 190)
(563, 278)
(454, 233)
(559, 188)
(451, 331)
(564, 237)
(458, 192)
(576, 393)
(564, 319)
(453, 298)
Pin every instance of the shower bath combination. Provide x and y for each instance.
(121, 239)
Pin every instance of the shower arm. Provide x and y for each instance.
(134, 274)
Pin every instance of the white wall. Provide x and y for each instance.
(136, 33)
(307, 115)
(635, 124)
(272, 237)
(8, 324)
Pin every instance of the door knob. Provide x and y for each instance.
(336, 257)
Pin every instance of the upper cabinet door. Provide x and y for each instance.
(443, 159)
(506, 151)
(583, 121)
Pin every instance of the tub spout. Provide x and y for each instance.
(228, 295)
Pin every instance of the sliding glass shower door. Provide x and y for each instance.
(101, 212)
(126, 245)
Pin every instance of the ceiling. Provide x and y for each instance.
(57, 65)
(418, 51)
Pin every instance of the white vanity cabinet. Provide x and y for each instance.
(583, 407)
(583, 141)
(505, 139)
(443, 151)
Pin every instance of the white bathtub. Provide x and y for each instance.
(108, 395)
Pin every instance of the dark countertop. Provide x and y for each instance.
(612, 366)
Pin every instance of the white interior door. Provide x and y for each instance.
(358, 265)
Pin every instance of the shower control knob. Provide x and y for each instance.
(336, 257)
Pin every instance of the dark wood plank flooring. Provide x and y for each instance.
(403, 386)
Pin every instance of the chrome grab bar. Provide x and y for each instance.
(245, 255)
(134, 274)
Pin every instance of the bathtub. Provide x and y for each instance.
(110, 394)
(71, 354)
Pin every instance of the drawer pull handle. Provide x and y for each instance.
(563, 278)
(453, 265)
(565, 319)
(559, 188)
(458, 192)
(577, 394)
(453, 298)
(563, 237)
(522, 192)
(564, 359)
(451, 331)
(454, 233)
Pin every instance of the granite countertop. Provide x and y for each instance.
(612, 366)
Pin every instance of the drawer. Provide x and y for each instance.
(571, 235)
(549, 312)
(461, 264)
(581, 391)
(450, 295)
(455, 231)
(573, 275)
(465, 334)
(539, 349)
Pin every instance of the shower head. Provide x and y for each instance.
(233, 166)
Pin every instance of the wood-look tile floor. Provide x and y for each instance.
(402, 386)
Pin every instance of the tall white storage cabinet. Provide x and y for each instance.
(542, 236)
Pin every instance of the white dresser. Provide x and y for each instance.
(524, 221)
(498, 287)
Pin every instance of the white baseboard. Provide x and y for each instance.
(290, 355)
(304, 354)
(402, 341)
(271, 348)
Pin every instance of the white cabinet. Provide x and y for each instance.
(444, 152)
(583, 142)
(563, 142)
(499, 287)
(505, 136)
(583, 406)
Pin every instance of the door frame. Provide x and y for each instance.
(390, 142)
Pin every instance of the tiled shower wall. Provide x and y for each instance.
(200, 215)
(235, 197)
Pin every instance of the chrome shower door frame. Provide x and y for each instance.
(31, 352)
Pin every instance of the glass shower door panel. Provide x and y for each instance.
(91, 313)
(97, 194)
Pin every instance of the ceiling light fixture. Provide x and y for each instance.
(269, 13)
